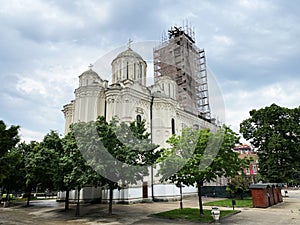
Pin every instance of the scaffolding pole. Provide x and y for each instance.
(181, 60)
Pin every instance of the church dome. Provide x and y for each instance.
(129, 65)
(90, 72)
(89, 77)
(129, 53)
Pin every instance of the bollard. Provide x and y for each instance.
(215, 212)
(233, 203)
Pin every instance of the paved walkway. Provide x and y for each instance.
(50, 212)
(287, 213)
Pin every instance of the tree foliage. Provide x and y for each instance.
(275, 132)
(120, 153)
(15, 173)
(239, 184)
(73, 171)
(9, 137)
(41, 163)
(202, 156)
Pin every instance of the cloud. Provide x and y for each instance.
(254, 4)
(30, 135)
(251, 46)
(240, 101)
(28, 86)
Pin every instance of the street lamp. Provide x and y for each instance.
(215, 212)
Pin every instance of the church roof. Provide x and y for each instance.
(92, 73)
(89, 72)
(129, 53)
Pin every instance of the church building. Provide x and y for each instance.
(177, 99)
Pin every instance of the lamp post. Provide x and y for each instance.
(151, 139)
(215, 212)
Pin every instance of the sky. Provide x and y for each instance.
(252, 49)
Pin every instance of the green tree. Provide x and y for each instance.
(41, 163)
(275, 132)
(9, 137)
(15, 174)
(25, 150)
(239, 185)
(73, 171)
(211, 156)
(120, 153)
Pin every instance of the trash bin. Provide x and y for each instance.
(270, 194)
(275, 194)
(261, 197)
(278, 192)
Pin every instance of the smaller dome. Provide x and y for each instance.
(89, 77)
(89, 72)
(128, 53)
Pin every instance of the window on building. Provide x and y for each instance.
(138, 118)
(141, 72)
(120, 73)
(247, 171)
(173, 91)
(196, 127)
(254, 168)
(173, 125)
(134, 71)
(127, 70)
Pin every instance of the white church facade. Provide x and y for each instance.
(128, 98)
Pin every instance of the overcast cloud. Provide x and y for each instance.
(252, 49)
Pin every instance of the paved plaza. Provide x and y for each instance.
(51, 212)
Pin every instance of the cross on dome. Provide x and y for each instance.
(129, 43)
(91, 66)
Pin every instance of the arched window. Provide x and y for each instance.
(138, 118)
(196, 127)
(141, 72)
(173, 91)
(173, 125)
(134, 71)
(120, 71)
(127, 71)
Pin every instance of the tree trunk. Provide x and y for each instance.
(181, 204)
(199, 186)
(242, 196)
(28, 197)
(67, 200)
(7, 199)
(111, 191)
(77, 206)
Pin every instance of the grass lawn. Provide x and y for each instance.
(192, 214)
(247, 202)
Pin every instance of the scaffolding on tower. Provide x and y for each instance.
(179, 58)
